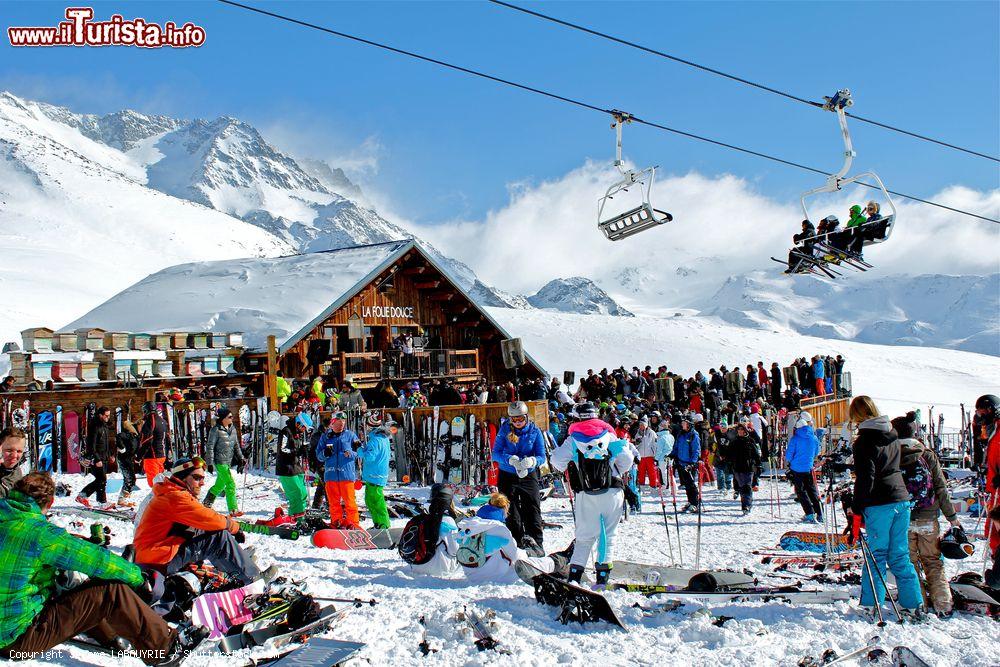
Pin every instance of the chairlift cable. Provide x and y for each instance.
(733, 77)
(579, 103)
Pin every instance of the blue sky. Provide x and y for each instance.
(448, 146)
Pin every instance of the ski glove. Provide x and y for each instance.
(856, 520)
(240, 536)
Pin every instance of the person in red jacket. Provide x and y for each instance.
(176, 529)
(988, 413)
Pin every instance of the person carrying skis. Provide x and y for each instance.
(12, 443)
(487, 550)
(175, 529)
(596, 461)
(803, 447)
(34, 619)
(428, 543)
(882, 501)
(518, 449)
(291, 449)
(929, 499)
(336, 450)
(687, 453)
(375, 467)
(152, 442)
(99, 455)
(744, 457)
(222, 452)
(645, 443)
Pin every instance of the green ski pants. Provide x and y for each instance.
(375, 502)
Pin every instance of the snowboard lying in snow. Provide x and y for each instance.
(379, 538)
(661, 575)
(577, 603)
(801, 540)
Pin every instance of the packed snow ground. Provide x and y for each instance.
(760, 633)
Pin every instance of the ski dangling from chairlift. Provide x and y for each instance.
(823, 249)
(641, 217)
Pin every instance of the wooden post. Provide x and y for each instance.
(271, 378)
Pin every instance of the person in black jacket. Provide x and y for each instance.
(743, 456)
(290, 452)
(775, 385)
(319, 497)
(152, 442)
(98, 453)
(126, 443)
(882, 501)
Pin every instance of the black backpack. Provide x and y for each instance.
(419, 540)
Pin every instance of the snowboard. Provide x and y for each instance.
(800, 540)
(903, 656)
(442, 438)
(71, 433)
(379, 538)
(288, 531)
(456, 450)
(317, 652)
(576, 603)
(60, 454)
(493, 468)
(123, 514)
(44, 435)
(788, 593)
(278, 634)
(218, 612)
(972, 599)
(626, 571)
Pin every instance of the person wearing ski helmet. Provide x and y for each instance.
(336, 449)
(988, 414)
(292, 448)
(152, 449)
(518, 450)
(929, 498)
(803, 448)
(882, 501)
(375, 467)
(222, 452)
(597, 462)
(687, 453)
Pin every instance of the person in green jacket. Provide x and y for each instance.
(317, 390)
(284, 390)
(857, 217)
(855, 240)
(34, 619)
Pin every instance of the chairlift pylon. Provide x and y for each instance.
(643, 216)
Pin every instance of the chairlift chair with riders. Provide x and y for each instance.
(871, 232)
(643, 216)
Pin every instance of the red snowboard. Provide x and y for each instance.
(71, 435)
(357, 539)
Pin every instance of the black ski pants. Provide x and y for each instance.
(126, 465)
(525, 515)
(688, 478)
(743, 483)
(219, 547)
(808, 494)
(98, 485)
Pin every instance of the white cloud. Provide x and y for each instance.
(305, 138)
(722, 226)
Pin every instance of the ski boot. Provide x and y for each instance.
(189, 637)
(809, 518)
(561, 560)
(532, 547)
(209, 499)
(123, 501)
(83, 501)
(603, 574)
(235, 514)
(575, 574)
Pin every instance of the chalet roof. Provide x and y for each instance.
(261, 296)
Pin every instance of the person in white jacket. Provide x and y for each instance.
(645, 444)
(435, 556)
(664, 446)
(597, 462)
(487, 551)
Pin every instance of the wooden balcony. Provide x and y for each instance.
(371, 367)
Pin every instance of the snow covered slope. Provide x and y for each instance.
(77, 224)
(900, 378)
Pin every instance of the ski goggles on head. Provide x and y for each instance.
(340, 414)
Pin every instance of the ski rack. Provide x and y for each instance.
(637, 219)
(840, 101)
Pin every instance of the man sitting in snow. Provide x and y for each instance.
(175, 529)
(33, 619)
(11, 452)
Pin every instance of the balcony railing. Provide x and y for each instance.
(394, 365)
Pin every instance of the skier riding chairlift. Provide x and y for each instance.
(637, 219)
(815, 254)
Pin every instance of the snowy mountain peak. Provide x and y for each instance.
(576, 295)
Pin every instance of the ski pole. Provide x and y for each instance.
(357, 602)
(677, 521)
(666, 524)
(697, 539)
(867, 567)
(865, 547)
(771, 489)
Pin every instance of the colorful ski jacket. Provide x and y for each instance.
(520, 442)
(857, 217)
(31, 551)
(375, 458)
(803, 447)
(152, 437)
(486, 549)
(687, 448)
(283, 390)
(339, 466)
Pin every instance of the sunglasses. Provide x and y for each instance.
(198, 478)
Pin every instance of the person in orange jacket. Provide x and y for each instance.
(176, 529)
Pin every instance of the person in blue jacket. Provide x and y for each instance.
(518, 450)
(819, 372)
(336, 450)
(375, 468)
(803, 447)
(687, 453)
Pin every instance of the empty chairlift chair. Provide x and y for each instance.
(634, 220)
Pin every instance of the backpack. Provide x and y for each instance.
(414, 546)
(920, 484)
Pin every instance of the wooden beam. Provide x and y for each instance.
(271, 380)
(413, 271)
(441, 296)
(427, 284)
